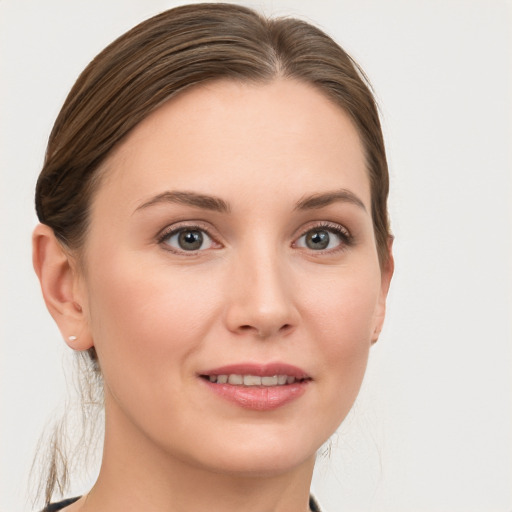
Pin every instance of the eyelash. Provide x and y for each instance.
(344, 235)
(174, 230)
(346, 239)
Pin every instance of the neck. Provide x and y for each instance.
(138, 475)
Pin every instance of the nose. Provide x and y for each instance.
(261, 299)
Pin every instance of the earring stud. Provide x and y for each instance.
(72, 338)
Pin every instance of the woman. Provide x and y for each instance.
(214, 234)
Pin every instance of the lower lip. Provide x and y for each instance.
(259, 398)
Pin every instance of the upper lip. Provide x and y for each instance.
(261, 370)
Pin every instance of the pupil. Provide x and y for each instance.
(191, 240)
(317, 240)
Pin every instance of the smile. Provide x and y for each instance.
(257, 387)
(252, 380)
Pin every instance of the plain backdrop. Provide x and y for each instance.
(432, 428)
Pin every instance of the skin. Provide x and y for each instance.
(159, 315)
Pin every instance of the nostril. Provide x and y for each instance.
(263, 333)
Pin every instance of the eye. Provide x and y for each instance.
(324, 238)
(188, 239)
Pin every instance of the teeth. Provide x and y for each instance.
(281, 380)
(235, 379)
(252, 380)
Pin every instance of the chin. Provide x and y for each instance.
(264, 465)
(263, 454)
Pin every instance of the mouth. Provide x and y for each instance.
(235, 379)
(257, 387)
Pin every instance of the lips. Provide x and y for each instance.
(257, 387)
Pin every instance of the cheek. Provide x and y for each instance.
(344, 307)
(342, 319)
(143, 314)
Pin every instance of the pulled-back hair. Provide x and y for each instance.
(160, 58)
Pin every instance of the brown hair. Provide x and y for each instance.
(169, 53)
(178, 49)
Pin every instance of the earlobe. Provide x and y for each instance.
(386, 275)
(60, 287)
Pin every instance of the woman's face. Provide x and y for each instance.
(231, 239)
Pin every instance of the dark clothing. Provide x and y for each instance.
(313, 505)
(53, 507)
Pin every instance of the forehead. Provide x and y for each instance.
(232, 138)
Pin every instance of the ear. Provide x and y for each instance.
(62, 288)
(386, 275)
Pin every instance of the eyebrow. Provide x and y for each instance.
(327, 198)
(188, 198)
(216, 204)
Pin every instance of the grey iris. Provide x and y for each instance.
(190, 240)
(317, 240)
